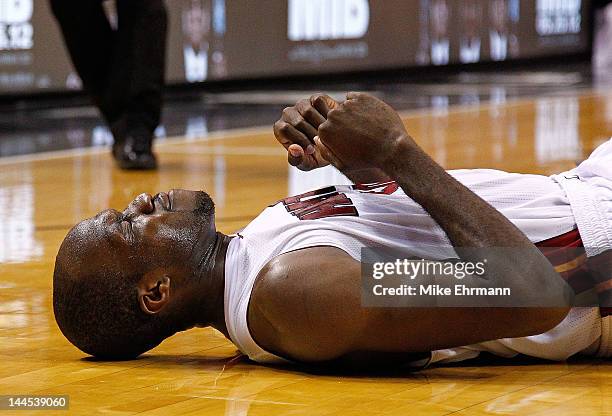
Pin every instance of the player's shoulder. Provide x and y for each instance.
(293, 298)
(304, 269)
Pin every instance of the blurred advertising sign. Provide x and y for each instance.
(16, 32)
(231, 39)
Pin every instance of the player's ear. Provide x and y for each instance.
(153, 293)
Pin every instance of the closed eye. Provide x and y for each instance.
(128, 231)
(125, 222)
(166, 203)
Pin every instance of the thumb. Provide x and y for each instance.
(295, 155)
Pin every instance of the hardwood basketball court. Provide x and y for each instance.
(199, 372)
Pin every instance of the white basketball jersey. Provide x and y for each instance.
(351, 217)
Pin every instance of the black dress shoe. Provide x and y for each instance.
(134, 153)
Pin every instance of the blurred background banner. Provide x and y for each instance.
(225, 39)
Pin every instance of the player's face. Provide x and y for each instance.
(154, 231)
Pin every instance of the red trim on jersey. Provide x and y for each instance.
(566, 253)
(322, 203)
(571, 239)
(385, 188)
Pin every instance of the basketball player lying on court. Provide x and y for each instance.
(288, 286)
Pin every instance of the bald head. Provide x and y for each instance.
(113, 272)
(96, 303)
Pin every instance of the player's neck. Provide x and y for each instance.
(211, 311)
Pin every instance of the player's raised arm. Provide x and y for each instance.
(364, 132)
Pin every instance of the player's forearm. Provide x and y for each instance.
(468, 220)
(472, 223)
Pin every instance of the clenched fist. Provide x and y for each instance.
(361, 133)
(298, 127)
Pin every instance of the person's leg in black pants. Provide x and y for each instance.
(89, 39)
(137, 75)
(122, 70)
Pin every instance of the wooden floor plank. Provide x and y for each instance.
(196, 372)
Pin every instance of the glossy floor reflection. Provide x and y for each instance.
(42, 125)
(198, 372)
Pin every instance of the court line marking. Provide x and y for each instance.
(261, 130)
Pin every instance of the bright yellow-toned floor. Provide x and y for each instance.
(196, 372)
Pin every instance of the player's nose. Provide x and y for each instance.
(142, 204)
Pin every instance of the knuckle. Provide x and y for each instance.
(301, 124)
(284, 128)
(281, 127)
(318, 98)
(333, 113)
(324, 128)
(351, 104)
(302, 104)
(278, 125)
(309, 112)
